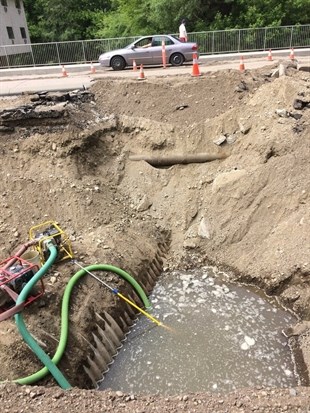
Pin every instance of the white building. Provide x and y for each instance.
(13, 24)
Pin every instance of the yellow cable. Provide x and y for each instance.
(159, 323)
(140, 309)
(115, 291)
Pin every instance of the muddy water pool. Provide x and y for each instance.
(223, 337)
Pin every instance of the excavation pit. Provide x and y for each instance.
(223, 337)
(248, 212)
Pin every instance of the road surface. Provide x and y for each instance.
(32, 80)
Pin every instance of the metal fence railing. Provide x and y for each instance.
(211, 42)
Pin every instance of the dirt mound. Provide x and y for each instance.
(67, 159)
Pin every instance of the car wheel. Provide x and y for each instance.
(118, 63)
(177, 59)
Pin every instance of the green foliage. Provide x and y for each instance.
(56, 20)
(126, 18)
(263, 13)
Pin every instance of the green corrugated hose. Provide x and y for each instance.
(65, 315)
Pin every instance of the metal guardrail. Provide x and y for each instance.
(211, 42)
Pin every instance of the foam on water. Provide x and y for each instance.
(225, 337)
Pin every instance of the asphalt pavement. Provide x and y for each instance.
(51, 78)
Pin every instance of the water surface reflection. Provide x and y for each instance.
(226, 337)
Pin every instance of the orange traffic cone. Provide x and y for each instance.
(63, 71)
(195, 70)
(92, 68)
(141, 74)
(134, 66)
(241, 65)
(163, 54)
(269, 57)
(292, 55)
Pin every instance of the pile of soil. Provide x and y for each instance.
(66, 158)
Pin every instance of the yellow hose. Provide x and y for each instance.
(139, 309)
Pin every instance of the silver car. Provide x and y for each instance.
(148, 51)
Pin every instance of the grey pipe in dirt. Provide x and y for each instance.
(177, 159)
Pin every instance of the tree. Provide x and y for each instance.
(54, 20)
(51, 20)
(263, 13)
(133, 17)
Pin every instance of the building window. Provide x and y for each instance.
(10, 33)
(23, 33)
(17, 4)
(4, 3)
